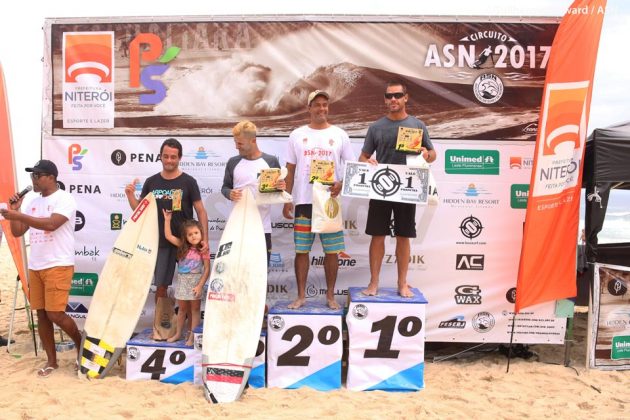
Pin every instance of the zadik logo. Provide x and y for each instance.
(563, 133)
(147, 47)
(75, 154)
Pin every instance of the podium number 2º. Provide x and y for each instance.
(327, 335)
(407, 327)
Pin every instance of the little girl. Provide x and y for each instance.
(193, 269)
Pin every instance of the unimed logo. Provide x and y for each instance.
(83, 284)
(519, 193)
(478, 162)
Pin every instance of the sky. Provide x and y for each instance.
(22, 45)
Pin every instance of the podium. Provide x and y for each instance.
(304, 346)
(386, 341)
(148, 359)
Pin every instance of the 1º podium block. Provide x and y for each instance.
(304, 346)
(386, 341)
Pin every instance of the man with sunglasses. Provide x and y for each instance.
(50, 220)
(382, 138)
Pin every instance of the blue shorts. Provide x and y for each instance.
(332, 243)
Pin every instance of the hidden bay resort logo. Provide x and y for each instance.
(75, 154)
(471, 195)
(147, 49)
(457, 322)
(343, 260)
(83, 284)
(88, 80)
(562, 138)
(467, 161)
(519, 193)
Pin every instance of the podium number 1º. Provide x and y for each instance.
(407, 327)
(327, 335)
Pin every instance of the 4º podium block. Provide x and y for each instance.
(304, 346)
(158, 360)
(386, 341)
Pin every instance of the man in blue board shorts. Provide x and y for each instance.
(177, 192)
(330, 146)
(382, 138)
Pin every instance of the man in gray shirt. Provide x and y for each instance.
(382, 138)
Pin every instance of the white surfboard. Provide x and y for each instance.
(121, 291)
(235, 303)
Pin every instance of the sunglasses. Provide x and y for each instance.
(396, 95)
(37, 175)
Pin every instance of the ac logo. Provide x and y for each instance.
(147, 47)
(469, 261)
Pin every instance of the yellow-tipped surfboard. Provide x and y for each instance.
(121, 291)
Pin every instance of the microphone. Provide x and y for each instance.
(21, 194)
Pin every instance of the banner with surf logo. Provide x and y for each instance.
(547, 263)
(471, 79)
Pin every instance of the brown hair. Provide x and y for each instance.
(185, 246)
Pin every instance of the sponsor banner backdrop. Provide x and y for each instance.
(464, 258)
(473, 79)
(609, 319)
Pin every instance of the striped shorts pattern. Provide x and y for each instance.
(332, 243)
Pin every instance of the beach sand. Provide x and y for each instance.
(474, 385)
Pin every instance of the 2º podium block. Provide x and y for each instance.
(304, 346)
(386, 341)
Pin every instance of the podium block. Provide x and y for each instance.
(386, 341)
(304, 347)
(258, 372)
(148, 359)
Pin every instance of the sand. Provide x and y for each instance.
(474, 385)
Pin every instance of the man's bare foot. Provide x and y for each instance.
(191, 339)
(332, 304)
(296, 304)
(405, 292)
(174, 338)
(372, 290)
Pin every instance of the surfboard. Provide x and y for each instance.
(235, 303)
(121, 291)
(8, 184)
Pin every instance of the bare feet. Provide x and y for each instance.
(372, 289)
(297, 303)
(174, 338)
(405, 291)
(191, 339)
(332, 304)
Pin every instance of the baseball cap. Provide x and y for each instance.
(315, 94)
(44, 166)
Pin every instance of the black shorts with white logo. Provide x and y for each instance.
(380, 222)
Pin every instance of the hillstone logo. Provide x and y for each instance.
(476, 162)
(519, 193)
